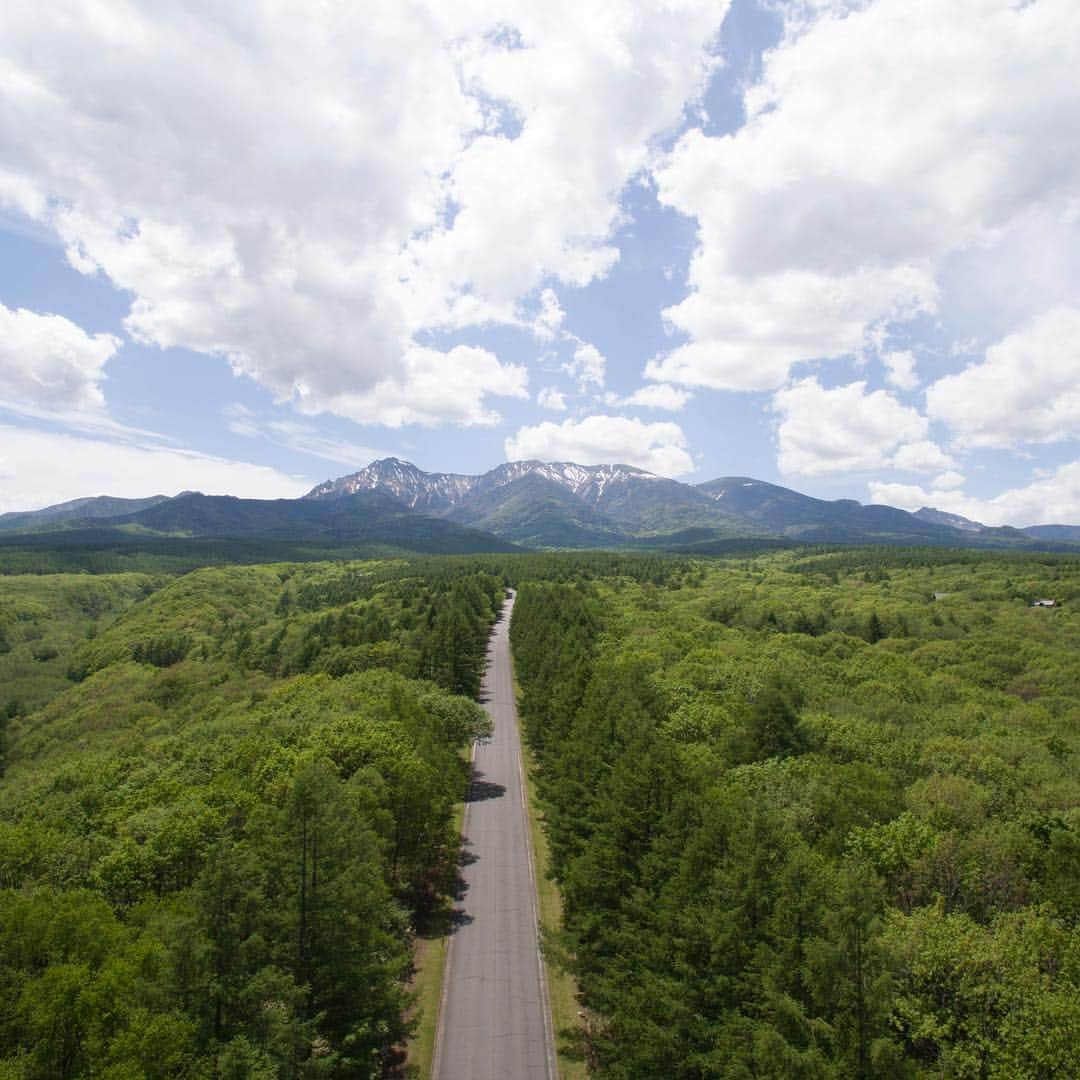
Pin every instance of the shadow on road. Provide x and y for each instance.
(479, 790)
(459, 917)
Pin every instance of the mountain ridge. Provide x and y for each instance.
(635, 506)
(89, 508)
(539, 505)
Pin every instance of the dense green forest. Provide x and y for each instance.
(227, 802)
(815, 814)
(105, 550)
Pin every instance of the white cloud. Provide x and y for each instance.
(603, 440)
(948, 481)
(433, 388)
(306, 195)
(748, 334)
(1026, 390)
(549, 317)
(922, 457)
(901, 369)
(1049, 500)
(40, 468)
(551, 398)
(47, 363)
(818, 222)
(587, 367)
(654, 396)
(842, 429)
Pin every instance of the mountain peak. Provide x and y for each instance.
(405, 481)
(392, 463)
(613, 499)
(441, 491)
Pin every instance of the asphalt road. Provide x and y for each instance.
(494, 1021)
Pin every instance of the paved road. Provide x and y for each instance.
(494, 1023)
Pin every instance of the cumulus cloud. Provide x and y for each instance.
(653, 396)
(602, 440)
(1048, 500)
(48, 364)
(588, 367)
(305, 196)
(433, 388)
(819, 224)
(1027, 389)
(900, 366)
(748, 334)
(842, 429)
(551, 398)
(922, 457)
(39, 468)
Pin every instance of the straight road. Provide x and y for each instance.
(494, 1021)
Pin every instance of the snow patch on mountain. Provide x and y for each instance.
(943, 517)
(443, 491)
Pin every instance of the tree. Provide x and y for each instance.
(773, 723)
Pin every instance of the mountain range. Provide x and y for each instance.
(561, 504)
(533, 504)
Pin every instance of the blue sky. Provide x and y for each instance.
(828, 243)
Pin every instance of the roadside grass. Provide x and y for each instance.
(562, 988)
(430, 962)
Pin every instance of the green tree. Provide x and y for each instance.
(773, 723)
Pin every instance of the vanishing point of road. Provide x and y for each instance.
(494, 1021)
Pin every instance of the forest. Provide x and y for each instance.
(227, 803)
(812, 812)
(815, 814)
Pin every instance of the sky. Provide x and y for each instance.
(832, 244)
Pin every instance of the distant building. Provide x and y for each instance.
(1044, 603)
(941, 595)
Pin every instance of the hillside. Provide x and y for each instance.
(535, 511)
(196, 530)
(75, 513)
(801, 517)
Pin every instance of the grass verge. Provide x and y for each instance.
(430, 963)
(562, 988)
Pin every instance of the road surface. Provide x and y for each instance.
(494, 1022)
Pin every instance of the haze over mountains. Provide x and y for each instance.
(531, 504)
